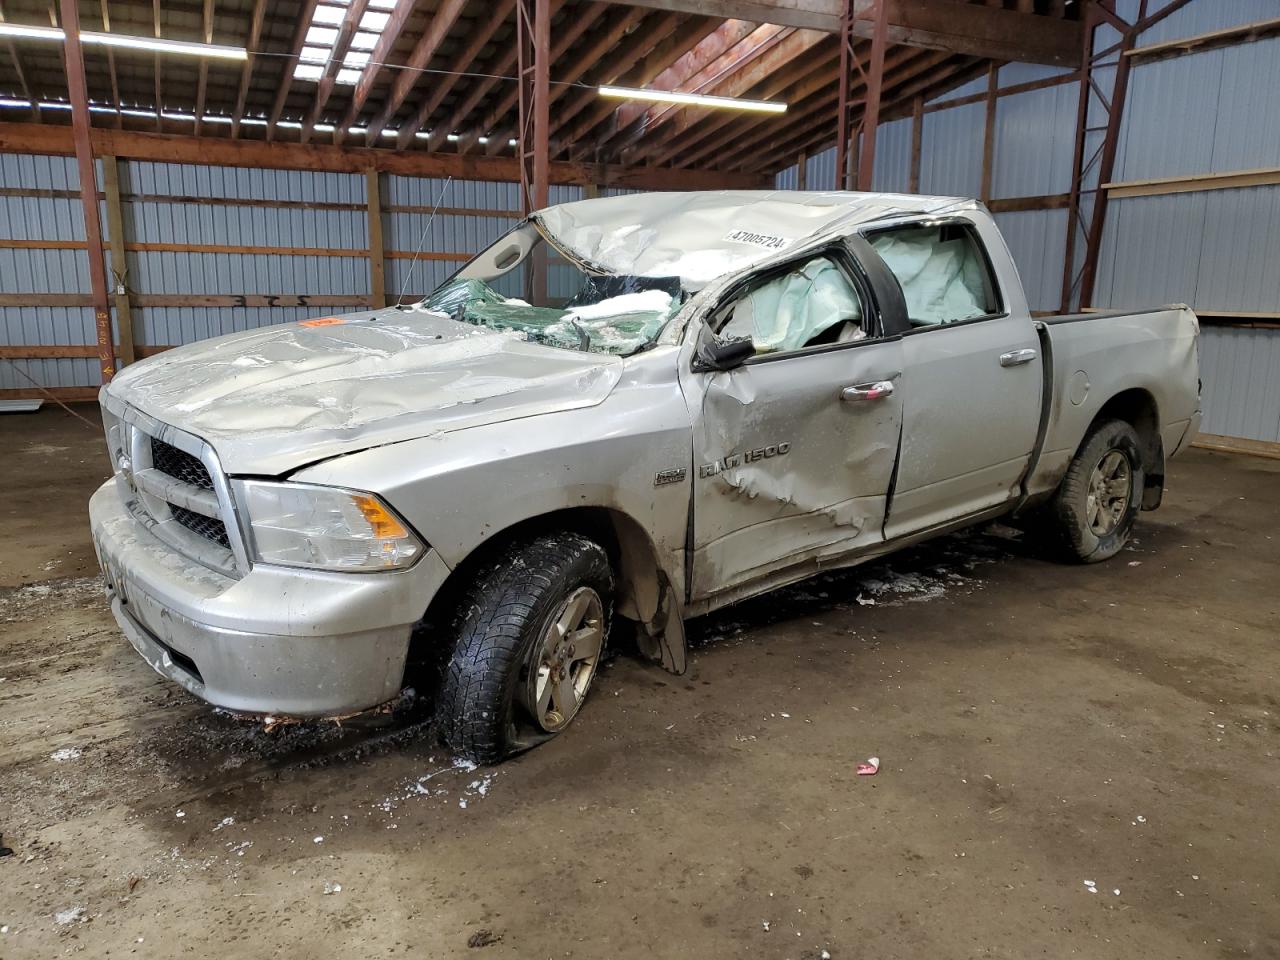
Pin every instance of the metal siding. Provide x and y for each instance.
(787, 179)
(951, 151)
(820, 171)
(1037, 241)
(1015, 73)
(1150, 251)
(892, 173)
(1240, 370)
(1205, 16)
(976, 85)
(1034, 140)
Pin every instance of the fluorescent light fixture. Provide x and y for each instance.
(511, 142)
(423, 134)
(123, 40)
(453, 138)
(691, 99)
(482, 140)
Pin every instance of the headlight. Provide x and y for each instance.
(325, 528)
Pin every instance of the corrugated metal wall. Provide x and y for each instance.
(197, 234)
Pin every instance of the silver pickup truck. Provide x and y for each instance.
(626, 412)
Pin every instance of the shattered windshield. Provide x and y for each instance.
(523, 283)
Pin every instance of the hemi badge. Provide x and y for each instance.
(668, 476)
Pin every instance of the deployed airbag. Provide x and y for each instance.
(786, 313)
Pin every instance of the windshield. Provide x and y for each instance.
(523, 283)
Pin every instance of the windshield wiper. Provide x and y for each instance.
(584, 338)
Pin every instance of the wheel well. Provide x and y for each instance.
(1137, 408)
(631, 554)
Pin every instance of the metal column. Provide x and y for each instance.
(533, 41)
(1092, 169)
(74, 61)
(872, 78)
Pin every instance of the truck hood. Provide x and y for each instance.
(271, 400)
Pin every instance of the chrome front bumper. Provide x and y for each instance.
(280, 641)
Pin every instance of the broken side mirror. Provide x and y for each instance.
(724, 354)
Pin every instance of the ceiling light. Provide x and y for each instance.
(122, 40)
(692, 99)
(453, 138)
(482, 140)
(511, 142)
(423, 134)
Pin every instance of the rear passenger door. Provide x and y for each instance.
(972, 375)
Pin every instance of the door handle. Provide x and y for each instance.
(868, 391)
(1015, 357)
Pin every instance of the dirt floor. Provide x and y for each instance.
(1076, 761)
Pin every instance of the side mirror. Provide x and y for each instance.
(725, 354)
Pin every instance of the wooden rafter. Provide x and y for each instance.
(246, 72)
(597, 48)
(679, 36)
(807, 123)
(290, 64)
(329, 76)
(820, 78)
(481, 37)
(378, 59)
(744, 81)
(689, 132)
(22, 75)
(111, 67)
(202, 81)
(807, 131)
(419, 59)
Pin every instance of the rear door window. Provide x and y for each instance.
(943, 271)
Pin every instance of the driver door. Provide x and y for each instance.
(794, 449)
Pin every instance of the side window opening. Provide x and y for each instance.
(943, 271)
(812, 304)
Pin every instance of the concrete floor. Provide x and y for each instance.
(1045, 732)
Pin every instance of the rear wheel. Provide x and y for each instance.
(528, 638)
(1091, 516)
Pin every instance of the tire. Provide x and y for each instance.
(507, 655)
(1091, 516)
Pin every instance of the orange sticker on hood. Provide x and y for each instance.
(321, 322)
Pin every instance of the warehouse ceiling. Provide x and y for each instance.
(439, 75)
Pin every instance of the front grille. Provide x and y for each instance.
(180, 465)
(198, 523)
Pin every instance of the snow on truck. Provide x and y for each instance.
(624, 413)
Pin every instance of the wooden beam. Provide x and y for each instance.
(1229, 180)
(378, 60)
(792, 83)
(329, 76)
(1231, 36)
(168, 148)
(73, 59)
(202, 78)
(377, 262)
(533, 49)
(743, 81)
(975, 30)
(638, 60)
(1239, 445)
(419, 59)
(22, 75)
(305, 13)
(246, 72)
(119, 262)
(1053, 201)
(480, 37)
(111, 66)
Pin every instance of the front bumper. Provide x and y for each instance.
(280, 641)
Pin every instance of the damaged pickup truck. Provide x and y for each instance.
(626, 412)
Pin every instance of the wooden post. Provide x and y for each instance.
(802, 170)
(590, 191)
(989, 131)
(377, 250)
(917, 134)
(119, 265)
(74, 61)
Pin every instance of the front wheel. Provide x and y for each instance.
(527, 640)
(1091, 516)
